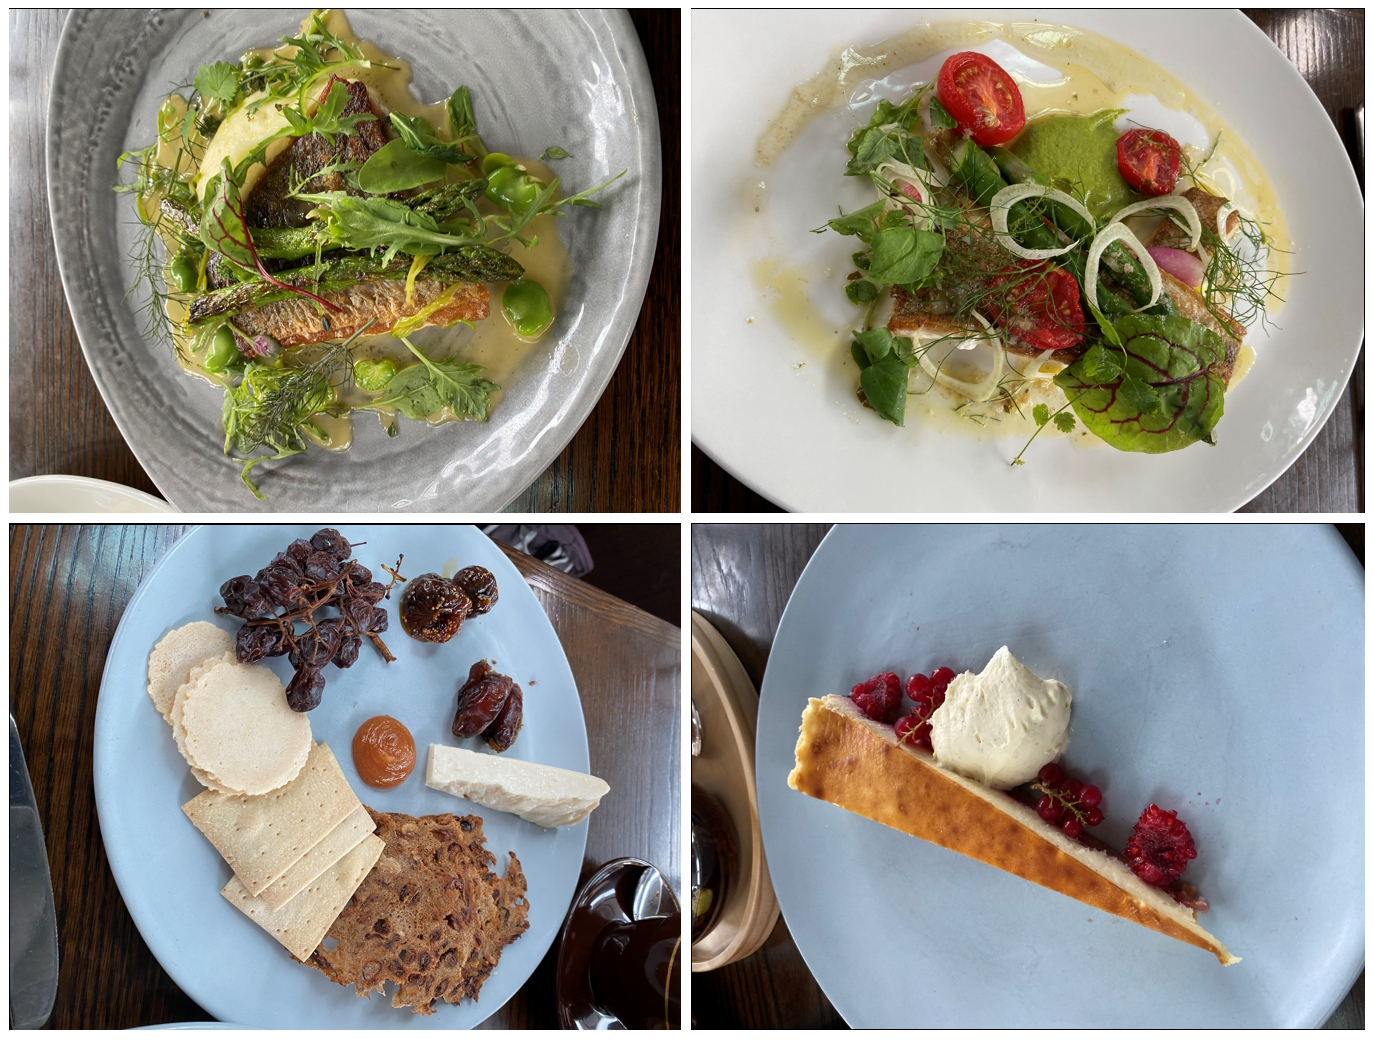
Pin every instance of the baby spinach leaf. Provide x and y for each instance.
(1166, 393)
(396, 167)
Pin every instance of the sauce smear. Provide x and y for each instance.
(383, 752)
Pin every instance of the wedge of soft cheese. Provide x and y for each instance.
(544, 795)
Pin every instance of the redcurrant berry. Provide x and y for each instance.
(1072, 827)
(1090, 797)
(1094, 817)
(1051, 774)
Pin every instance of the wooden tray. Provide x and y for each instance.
(728, 705)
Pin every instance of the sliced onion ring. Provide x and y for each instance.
(1003, 201)
(895, 173)
(1115, 232)
(1223, 215)
(985, 387)
(1035, 369)
(1177, 202)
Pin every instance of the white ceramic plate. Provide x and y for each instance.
(53, 493)
(574, 78)
(170, 875)
(782, 417)
(1216, 670)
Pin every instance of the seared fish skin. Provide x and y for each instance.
(296, 321)
(267, 205)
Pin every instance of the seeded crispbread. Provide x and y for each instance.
(263, 837)
(176, 654)
(238, 728)
(302, 922)
(334, 846)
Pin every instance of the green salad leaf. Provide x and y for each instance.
(884, 361)
(397, 167)
(419, 138)
(903, 255)
(1159, 391)
(218, 82)
(419, 391)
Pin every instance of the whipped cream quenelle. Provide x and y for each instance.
(1000, 726)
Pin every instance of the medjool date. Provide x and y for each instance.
(501, 734)
(433, 608)
(480, 700)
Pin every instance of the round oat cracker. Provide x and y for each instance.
(240, 731)
(176, 654)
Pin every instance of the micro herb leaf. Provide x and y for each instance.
(939, 118)
(1065, 421)
(1109, 332)
(1099, 365)
(419, 138)
(903, 255)
(862, 223)
(904, 350)
(377, 223)
(861, 291)
(421, 390)
(218, 82)
(396, 167)
(1041, 414)
(462, 123)
(884, 386)
(876, 343)
(554, 152)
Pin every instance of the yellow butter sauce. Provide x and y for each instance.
(493, 344)
(1097, 74)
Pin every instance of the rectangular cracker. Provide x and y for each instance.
(263, 836)
(301, 924)
(342, 840)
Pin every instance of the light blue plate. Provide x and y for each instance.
(170, 875)
(1216, 670)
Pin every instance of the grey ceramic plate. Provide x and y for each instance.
(573, 78)
(1216, 670)
(170, 876)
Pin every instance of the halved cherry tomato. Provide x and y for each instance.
(982, 98)
(1148, 159)
(1043, 311)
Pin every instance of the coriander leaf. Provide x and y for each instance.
(396, 167)
(1168, 394)
(1041, 414)
(554, 152)
(939, 118)
(884, 385)
(218, 82)
(419, 138)
(1065, 421)
(902, 255)
(419, 391)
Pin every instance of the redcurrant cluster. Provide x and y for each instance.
(927, 693)
(1067, 801)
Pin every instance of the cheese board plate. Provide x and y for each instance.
(170, 876)
(1217, 670)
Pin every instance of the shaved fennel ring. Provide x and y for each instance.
(1177, 202)
(985, 387)
(1001, 206)
(1115, 232)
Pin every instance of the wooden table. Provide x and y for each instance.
(626, 458)
(742, 576)
(69, 586)
(1327, 48)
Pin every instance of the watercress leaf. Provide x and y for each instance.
(396, 167)
(903, 256)
(218, 82)
(1168, 394)
(419, 138)
(884, 385)
(862, 222)
(1041, 414)
(860, 290)
(939, 118)
(1099, 364)
(876, 342)
(1065, 421)
(554, 152)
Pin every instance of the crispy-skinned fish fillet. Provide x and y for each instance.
(1188, 302)
(1207, 206)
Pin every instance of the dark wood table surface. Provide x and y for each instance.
(1327, 48)
(68, 589)
(627, 457)
(742, 576)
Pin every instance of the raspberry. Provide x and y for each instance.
(1160, 847)
(880, 698)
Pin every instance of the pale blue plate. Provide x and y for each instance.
(170, 875)
(1216, 670)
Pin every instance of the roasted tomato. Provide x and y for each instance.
(1042, 311)
(982, 98)
(1148, 159)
